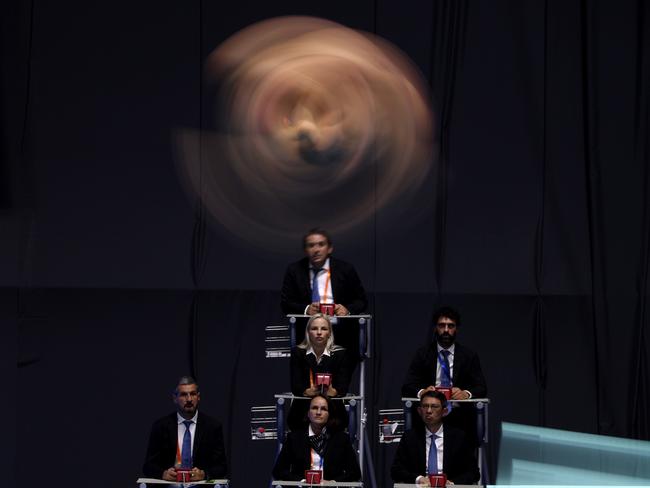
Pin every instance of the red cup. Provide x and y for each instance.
(184, 475)
(438, 480)
(323, 379)
(313, 476)
(445, 390)
(327, 308)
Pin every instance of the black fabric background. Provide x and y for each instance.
(114, 282)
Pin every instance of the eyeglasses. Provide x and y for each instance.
(430, 406)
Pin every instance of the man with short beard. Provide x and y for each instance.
(461, 369)
(186, 439)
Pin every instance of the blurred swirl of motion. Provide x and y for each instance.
(317, 124)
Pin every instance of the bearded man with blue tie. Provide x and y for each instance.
(186, 440)
(446, 363)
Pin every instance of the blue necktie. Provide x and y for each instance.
(445, 370)
(433, 456)
(315, 296)
(186, 452)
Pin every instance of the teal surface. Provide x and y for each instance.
(536, 456)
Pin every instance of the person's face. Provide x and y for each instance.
(317, 249)
(187, 398)
(318, 413)
(431, 411)
(445, 331)
(319, 332)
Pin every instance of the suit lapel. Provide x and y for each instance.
(311, 361)
(334, 283)
(304, 283)
(198, 433)
(433, 362)
(306, 449)
(449, 449)
(446, 448)
(458, 363)
(326, 363)
(172, 429)
(421, 446)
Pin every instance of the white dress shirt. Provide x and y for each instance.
(181, 431)
(326, 352)
(326, 296)
(450, 358)
(316, 460)
(440, 443)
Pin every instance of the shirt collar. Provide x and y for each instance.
(326, 352)
(311, 432)
(451, 349)
(180, 419)
(326, 265)
(438, 433)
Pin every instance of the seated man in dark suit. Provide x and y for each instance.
(446, 363)
(186, 439)
(321, 278)
(443, 361)
(451, 454)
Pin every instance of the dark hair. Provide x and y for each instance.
(448, 312)
(435, 394)
(319, 231)
(186, 380)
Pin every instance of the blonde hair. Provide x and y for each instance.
(306, 343)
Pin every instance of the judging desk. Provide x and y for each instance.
(322, 483)
(144, 482)
(413, 485)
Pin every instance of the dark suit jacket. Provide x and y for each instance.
(466, 375)
(301, 364)
(209, 453)
(458, 460)
(346, 287)
(339, 460)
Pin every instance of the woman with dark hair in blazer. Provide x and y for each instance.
(319, 446)
(317, 353)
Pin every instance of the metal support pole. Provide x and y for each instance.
(481, 432)
(292, 332)
(371, 464)
(279, 423)
(407, 415)
(352, 420)
(363, 345)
